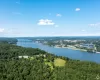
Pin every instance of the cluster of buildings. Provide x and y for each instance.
(26, 57)
(89, 46)
(73, 40)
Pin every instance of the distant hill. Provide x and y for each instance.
(8, 40)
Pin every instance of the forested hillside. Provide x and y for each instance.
(41, 65)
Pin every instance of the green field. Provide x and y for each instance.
(59, 62)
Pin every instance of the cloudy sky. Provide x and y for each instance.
(49, 18)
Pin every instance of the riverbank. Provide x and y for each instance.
(98, 52)
(70, 47)
(73, 48)
(70, 53)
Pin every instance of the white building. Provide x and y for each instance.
(44, 55)
(20, 56)
(23, 57)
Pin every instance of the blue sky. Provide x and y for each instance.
(49, 18)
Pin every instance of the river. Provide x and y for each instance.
(73, 54)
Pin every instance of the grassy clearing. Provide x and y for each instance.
(59, 62)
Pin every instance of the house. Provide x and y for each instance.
(90, 46)
(44, 55)
(41, 55)
(23, 57)
(20, 56)
(26, 57)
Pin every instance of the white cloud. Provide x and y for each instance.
(77, 9)
(2, 30)
(9, 31)
(56, 26)
(13, 31)
(58, 15)
(83, 30)
(45, 22)
(95, 25)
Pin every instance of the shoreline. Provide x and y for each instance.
(98, 52)
(75, 49)
(71, 48)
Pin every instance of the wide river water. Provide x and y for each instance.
(73, 54)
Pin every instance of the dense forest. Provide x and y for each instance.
(41, 65)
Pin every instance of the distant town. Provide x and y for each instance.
(75, 44)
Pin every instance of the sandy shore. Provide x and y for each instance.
(98, 52)
(71, 47)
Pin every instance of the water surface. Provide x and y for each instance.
(73, 54)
